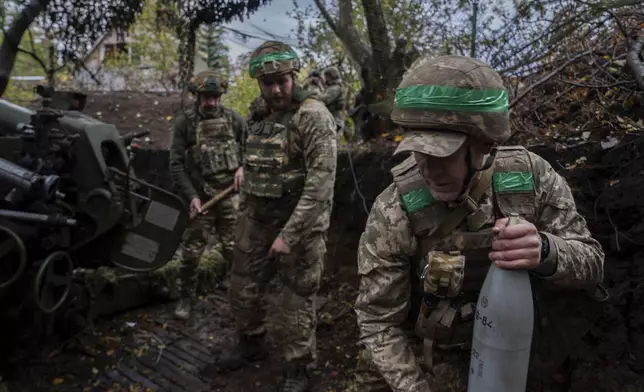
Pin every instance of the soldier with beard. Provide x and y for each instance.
(287, 195)
(206, 157)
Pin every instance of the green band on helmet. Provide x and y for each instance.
(276, 56)
(451, 98)
(513, 181)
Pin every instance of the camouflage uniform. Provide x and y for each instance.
(257, 110)
(207, 149)
(314, 83)
(289, 177)
(405, 217)
(335, 98)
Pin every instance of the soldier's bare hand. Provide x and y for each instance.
(239, 178)
(195, 207)
(516, 246)
(279, 247)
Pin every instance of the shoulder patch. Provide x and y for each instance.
(513, 181)
(417, 199)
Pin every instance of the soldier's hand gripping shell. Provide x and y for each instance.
(516, 246)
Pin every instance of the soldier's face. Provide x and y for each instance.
(208, 101)
(277, 90)
(445, 177)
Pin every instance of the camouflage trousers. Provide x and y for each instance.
(300, 272)
(200, 264)
(449, 373)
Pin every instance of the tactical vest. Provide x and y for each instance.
(457, 265)
(455, 268)
(272, 170)
(216, 149)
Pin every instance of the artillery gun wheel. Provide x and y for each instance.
(13, 257)
(53, 282)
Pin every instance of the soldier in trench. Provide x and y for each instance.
(456, 164)
(287, 195)
(314, 83)
(206, 157)
(335, 98)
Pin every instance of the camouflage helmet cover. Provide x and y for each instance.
(273, 57)
(208, 82)
(331, 73)
(442, 101)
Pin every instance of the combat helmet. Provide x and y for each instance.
(444, 100)
(331, 73)
(273, 57)
(208, 82)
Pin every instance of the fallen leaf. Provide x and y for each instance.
(109, 352)
(168, 118)
(398, 138)
(94, 371)
(613, 182)
(58, 381)
(164, 326)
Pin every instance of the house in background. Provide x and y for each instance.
(138, 74)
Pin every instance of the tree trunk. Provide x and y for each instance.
(13, 36)
(381, 68)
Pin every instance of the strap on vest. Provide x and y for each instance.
(443, 312)
(468, 206)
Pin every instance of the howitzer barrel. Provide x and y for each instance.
(11, 115)
(38, 218)
(28, 181)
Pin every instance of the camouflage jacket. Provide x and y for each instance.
(303, 188)
(314, 86)
(257, 110)
(185, 174)
(335, 98)
(389, 244)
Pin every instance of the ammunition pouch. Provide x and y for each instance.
(445, 315)
(443, 273)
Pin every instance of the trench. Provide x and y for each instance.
(608, 186)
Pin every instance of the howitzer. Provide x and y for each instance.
(69, 199)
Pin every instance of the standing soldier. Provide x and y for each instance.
(205, 158)
(257, 111)
(314, 83)
(431, 235)
(335, 98)
(289, 176)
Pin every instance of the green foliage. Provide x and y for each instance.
(212, 50)
(153, 49)
(26, 65)
(242, 91)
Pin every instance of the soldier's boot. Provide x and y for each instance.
(248, 349)
(296, 377)
(184, 308)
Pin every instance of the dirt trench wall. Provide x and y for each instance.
(607, 189)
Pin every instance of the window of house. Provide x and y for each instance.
(115, 51)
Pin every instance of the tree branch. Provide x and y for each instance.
(634, 63)
(546, 78)
(10, 46)
(346, 32)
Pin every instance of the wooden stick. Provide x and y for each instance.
(217, 198)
